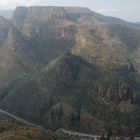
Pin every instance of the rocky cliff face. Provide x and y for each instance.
(49, 13)
(116, 92)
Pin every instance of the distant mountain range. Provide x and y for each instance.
(138, 22)
(6, 13)
(69, 67)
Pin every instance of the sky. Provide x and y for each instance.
(125, 9)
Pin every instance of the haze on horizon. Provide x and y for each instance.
(125, 9)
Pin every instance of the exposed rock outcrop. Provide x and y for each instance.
(48, 13)
(116, 92)
(131, 68)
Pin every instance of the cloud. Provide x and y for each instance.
(108, 10)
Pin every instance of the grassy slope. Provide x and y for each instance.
(10, 130)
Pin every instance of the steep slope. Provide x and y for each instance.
(4, 27)
(99, 42)
(74, 69)
(12, 50)
(72, 93)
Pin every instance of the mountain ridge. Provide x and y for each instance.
(74, 68)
